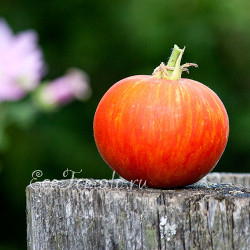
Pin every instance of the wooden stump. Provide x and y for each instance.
(114, 214)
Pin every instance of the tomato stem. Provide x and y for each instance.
(176, 53)
(173, 69)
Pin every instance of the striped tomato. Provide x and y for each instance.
(162, 129)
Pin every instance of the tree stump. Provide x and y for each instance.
(115, 214)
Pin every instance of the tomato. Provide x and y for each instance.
(166, 132)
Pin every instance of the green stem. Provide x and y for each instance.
(173, 58)
(163, 71)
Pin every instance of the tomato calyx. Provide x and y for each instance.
(173, 69)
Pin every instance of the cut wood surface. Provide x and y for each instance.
(227, 178)
(115, 214)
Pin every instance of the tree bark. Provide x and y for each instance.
(114, 214)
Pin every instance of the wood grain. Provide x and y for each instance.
(114, 214)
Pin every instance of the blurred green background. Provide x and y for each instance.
(111, 40)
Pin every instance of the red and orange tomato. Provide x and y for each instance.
(169, 133)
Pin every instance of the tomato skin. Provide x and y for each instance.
(169, 133)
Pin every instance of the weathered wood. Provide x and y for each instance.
(100, 214)
(228, 178)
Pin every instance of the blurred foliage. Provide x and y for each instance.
(111, 40)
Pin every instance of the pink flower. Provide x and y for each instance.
(21, 63)
(61, 91)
